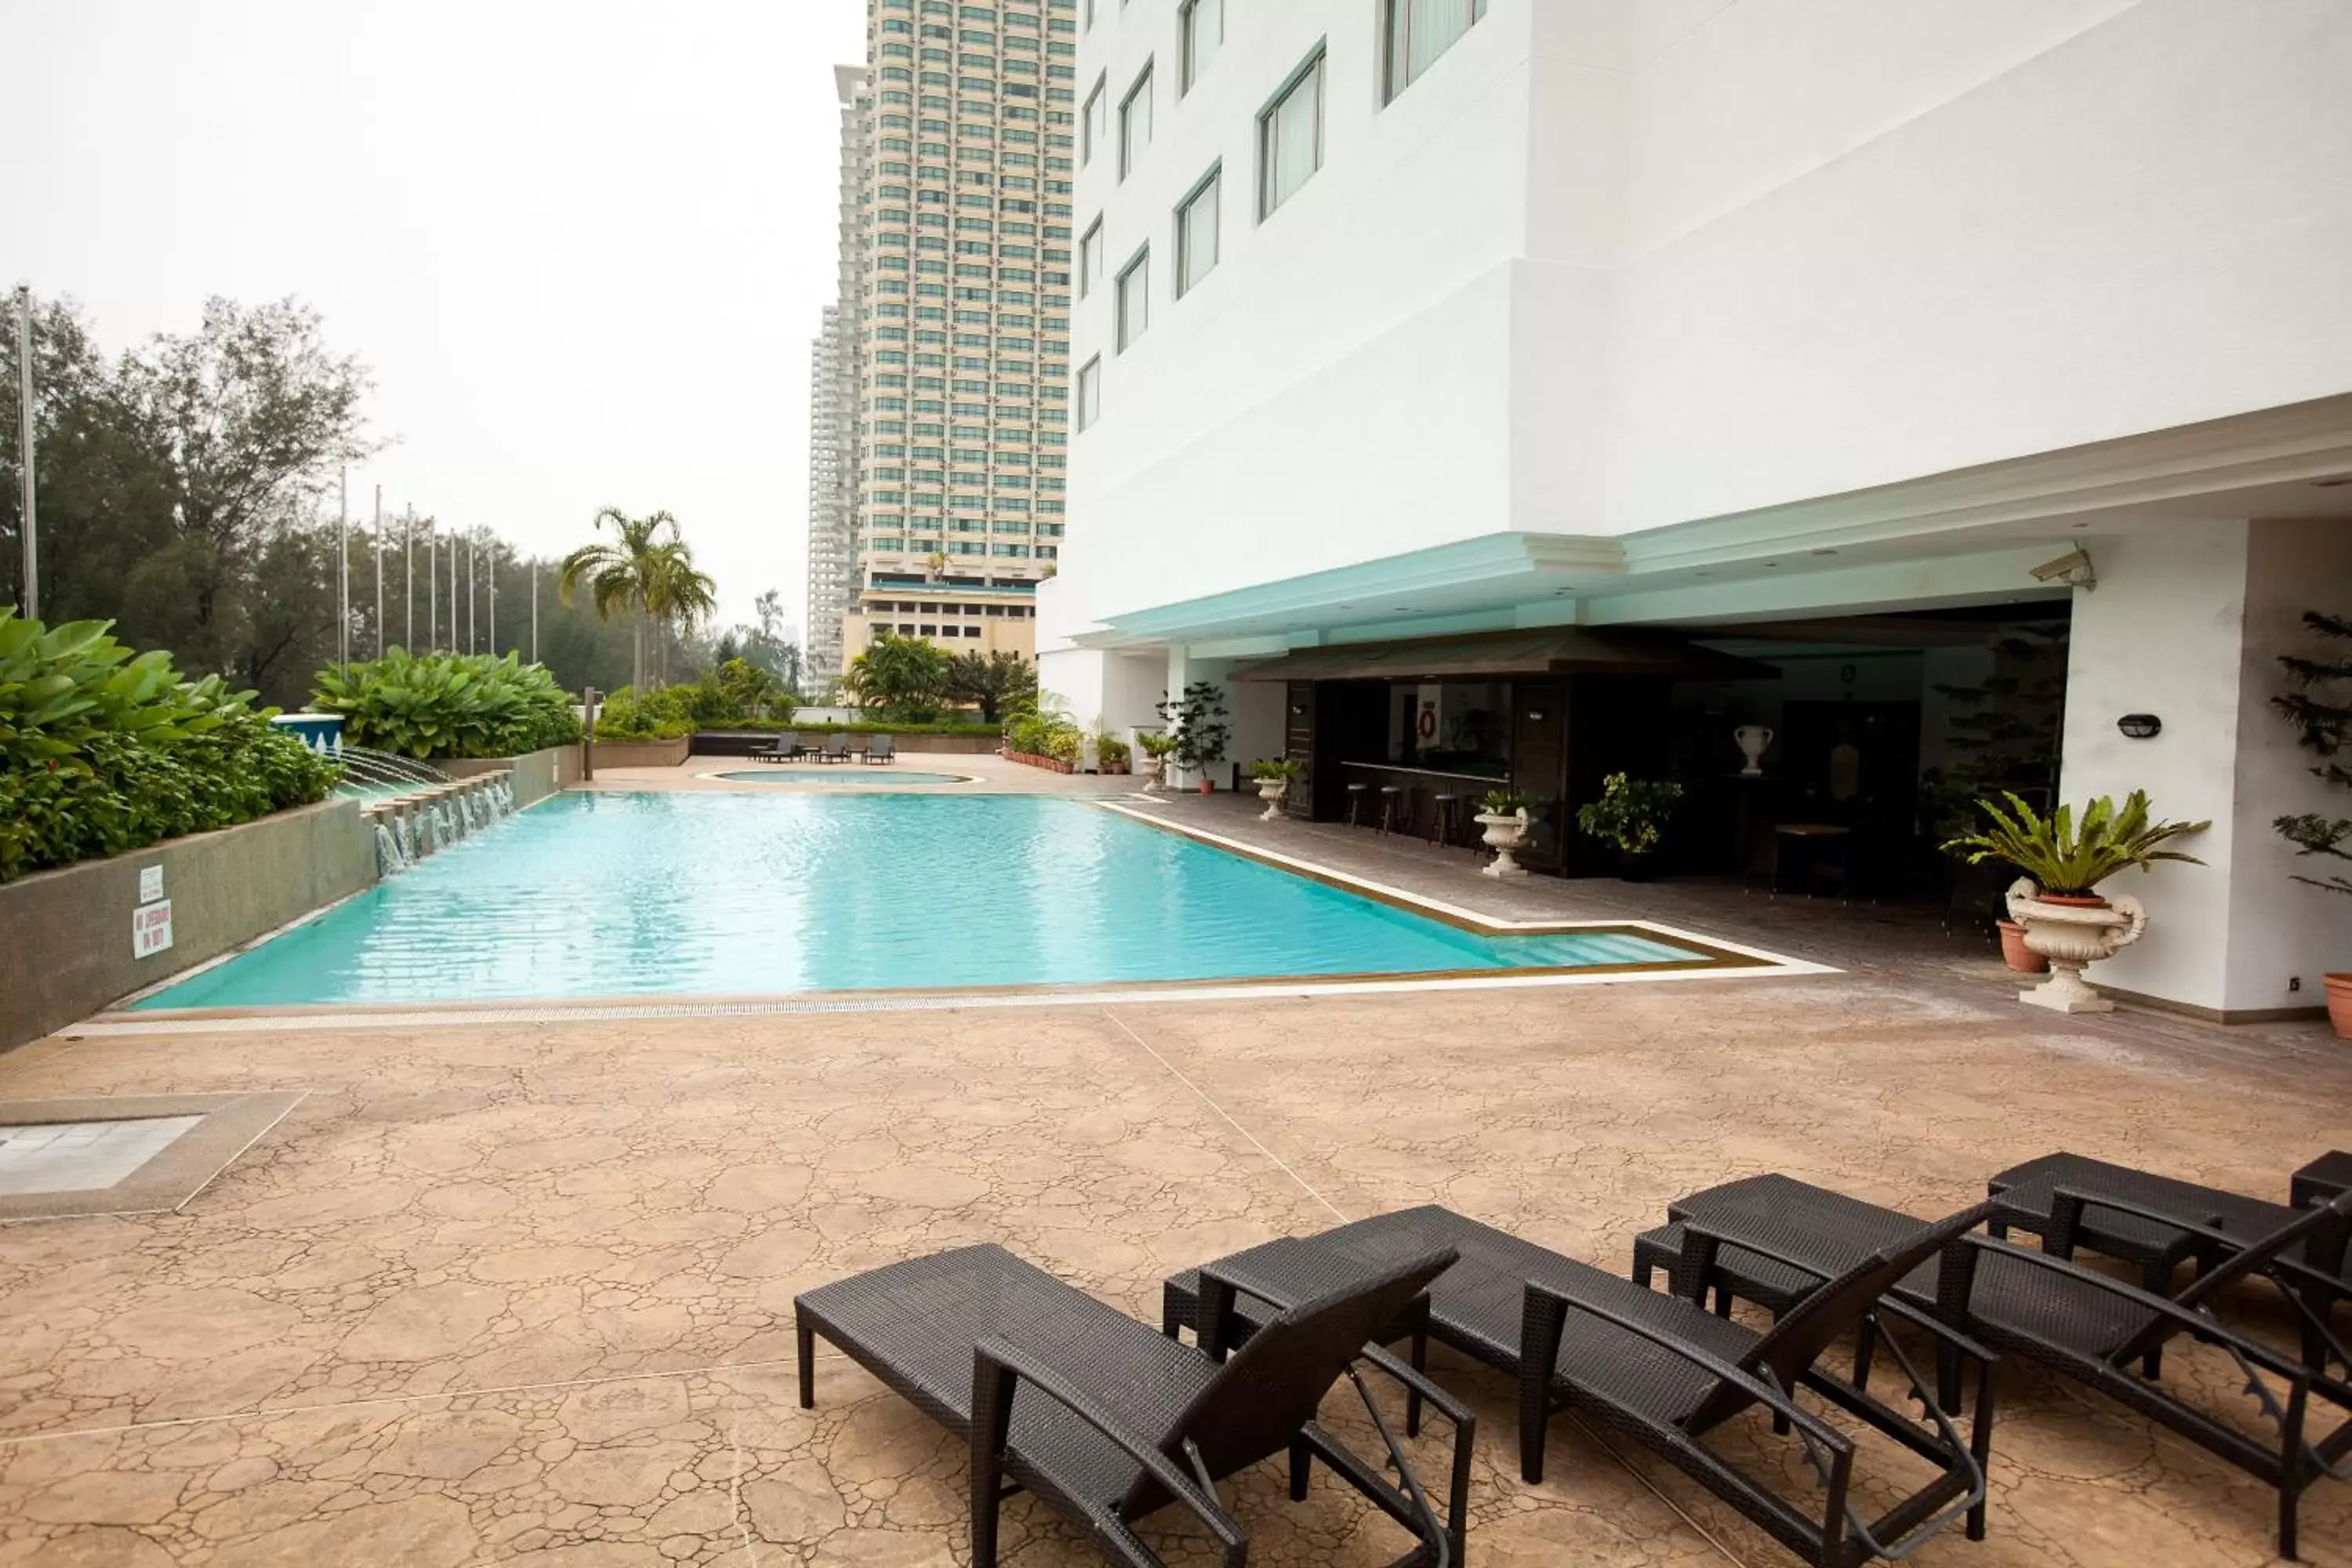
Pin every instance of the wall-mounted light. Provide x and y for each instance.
(2140, 726)
(1297, 710)
(1535, 716)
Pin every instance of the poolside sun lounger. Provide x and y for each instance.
(1773, 1239)
(834, 750)
(1662, 1369)
(1106, 1421)
(783, 749)
(881, 748)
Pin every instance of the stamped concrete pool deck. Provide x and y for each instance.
(523, 1292)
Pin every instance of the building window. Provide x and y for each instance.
(1090, 392)
(1134, 301)
(1201, 27)
(1196, 232)
(1135, 122)
(1418, 31)
(1091, 127)
(1091, 259)
(1290, 137)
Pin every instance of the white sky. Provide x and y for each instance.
(583, 244)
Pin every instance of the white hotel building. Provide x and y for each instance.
(1460, 388)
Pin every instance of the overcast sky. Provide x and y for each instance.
(582, 243)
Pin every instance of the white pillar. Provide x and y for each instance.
(2187, 623)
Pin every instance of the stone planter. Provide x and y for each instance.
(2072, 933)
(1051, 764)
(1150, 771)
(1272, 791)
(2340, 1003)
(1505, 836)
(642, 753)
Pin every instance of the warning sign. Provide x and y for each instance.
(150, 928)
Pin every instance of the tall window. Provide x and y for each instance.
(1090, 392)
(1417, 32)
(1097, 121)
(1290, 137)
(1202, 27)
(1135, 122)
(1196, 232)
(1091, 259)
(1134, 301)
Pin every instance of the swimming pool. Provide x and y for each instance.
(745, 893)
(855, 772)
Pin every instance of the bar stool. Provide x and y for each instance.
(1357, 795)
(1445, 819)
(1396, 808)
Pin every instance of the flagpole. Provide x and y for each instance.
(432, 593)
(534, 609)
(379, 585)
(24, 448)
(408, 584)
(344, 570)
(494, 598)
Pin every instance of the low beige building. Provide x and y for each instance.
(959, 619)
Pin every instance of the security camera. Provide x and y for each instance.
(2073, 569)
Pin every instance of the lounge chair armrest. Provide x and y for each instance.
(1749, 1243)
(1983, 1354)
(2205, 1228)
(2194, 1322)
(1389, 1362)
(998, 1355)
(1764, 1394)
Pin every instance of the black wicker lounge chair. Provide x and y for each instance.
(881, 748)
(1770, 1234)
(834, 750)
(1664, 1369)
(1106, 1421)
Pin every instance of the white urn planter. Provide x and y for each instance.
(1149, 769)
(1752, 740)
(1272, 791)
(1505, 836)
(2071, 935)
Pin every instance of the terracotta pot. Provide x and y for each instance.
(1208, 786)
(2340, 1003)
(2073, 901)
(2015, 953)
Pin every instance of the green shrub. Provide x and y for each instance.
(1044, 735)
(662, 715)
(101, 752)
(448, 705)
(876, 726)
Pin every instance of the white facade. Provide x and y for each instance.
(1684, 313)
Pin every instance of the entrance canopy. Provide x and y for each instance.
(1558, 650)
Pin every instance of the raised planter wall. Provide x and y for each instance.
(642, 753)
(536, 774)
(742, 742)
(65, 935)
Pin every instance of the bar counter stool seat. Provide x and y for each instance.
(1358, 794)
(1396, 808)
(1445, 819)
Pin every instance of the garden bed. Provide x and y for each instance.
(667, 753)
(1051, 764)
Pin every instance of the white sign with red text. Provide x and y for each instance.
(150, 928)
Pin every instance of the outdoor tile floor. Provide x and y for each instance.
(524, 1291)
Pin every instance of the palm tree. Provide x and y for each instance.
(645, 568)
(680, 595)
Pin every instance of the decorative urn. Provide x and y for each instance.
(1272, 791)
(1505, 835)
(2072, 933)
(1752, 739)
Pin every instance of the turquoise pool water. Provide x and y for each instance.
(738, 893)
(853, 773)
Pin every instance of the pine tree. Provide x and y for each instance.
(2319, 705)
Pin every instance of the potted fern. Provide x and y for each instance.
(1157, 746)
(2315, 705)
(2067, 919)
(1273, 775)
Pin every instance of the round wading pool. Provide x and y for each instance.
(843, 773)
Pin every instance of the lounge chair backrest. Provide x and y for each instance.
(881, 745)
(837, 745)
(2322, 1227)
(789, 741)
(1830, 1314)
(1271, 1386)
